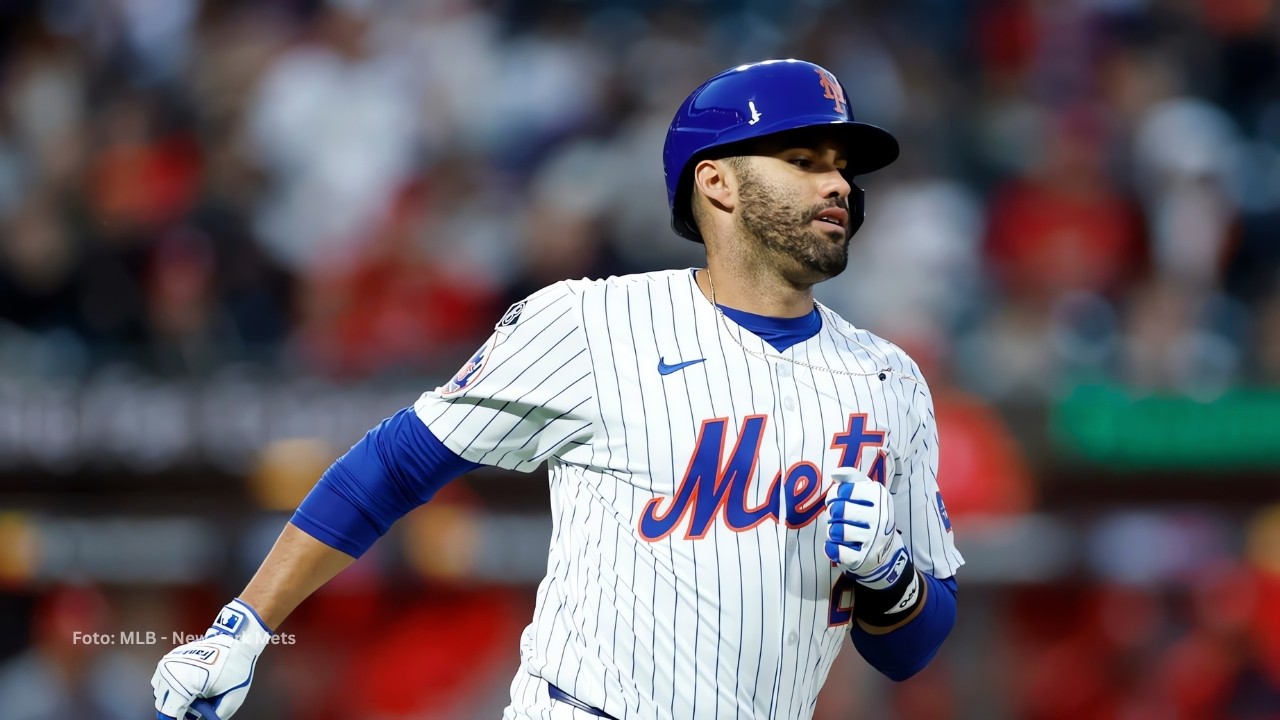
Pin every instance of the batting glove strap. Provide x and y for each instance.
(879, 610)
(241, 622)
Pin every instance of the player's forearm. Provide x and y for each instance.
(297, 566)
(394, 468)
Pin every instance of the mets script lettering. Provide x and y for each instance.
(716, 488)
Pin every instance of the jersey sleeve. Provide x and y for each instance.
(918, 506)
(526, 393)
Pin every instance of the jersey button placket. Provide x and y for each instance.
(790, 545)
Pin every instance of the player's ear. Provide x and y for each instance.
(715, 180)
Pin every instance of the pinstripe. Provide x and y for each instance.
(775, 383)
(648, 448)
(758, 537)
(698, 624)
(502, 414)
(810, 574)
(576, 581)
(692, 428)
(556, 445)
(529, 342)
(599, 534)
(829, 649)
(824, 654)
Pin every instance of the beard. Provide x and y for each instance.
(780, 224)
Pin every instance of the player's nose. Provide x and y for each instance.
(834, 185)
(830, 175)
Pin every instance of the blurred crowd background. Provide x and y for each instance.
(234, 234)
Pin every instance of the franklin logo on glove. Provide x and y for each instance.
(203, 654)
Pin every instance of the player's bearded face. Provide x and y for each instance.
(780, 219)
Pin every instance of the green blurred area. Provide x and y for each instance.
(1133, 430)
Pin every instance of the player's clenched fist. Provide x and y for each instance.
(218, 667)
(862, 537)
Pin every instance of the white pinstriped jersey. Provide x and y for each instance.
(686, 576)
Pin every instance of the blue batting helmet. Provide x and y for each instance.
(752, 101)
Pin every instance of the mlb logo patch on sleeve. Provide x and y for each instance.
(942, 512)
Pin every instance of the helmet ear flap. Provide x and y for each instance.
(857, 206)
(681, 209)
(684, 227)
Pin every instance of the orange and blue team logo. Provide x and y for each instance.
(831, 89)
(466, 377)
(716, 487)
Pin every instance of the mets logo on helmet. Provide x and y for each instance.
(831, 89)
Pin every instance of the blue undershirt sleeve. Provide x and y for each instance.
(393, 469)
(904, 652)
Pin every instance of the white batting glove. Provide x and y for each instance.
(862, 538)
(218, 667)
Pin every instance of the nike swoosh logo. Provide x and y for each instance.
(665, 369)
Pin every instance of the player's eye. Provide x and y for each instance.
(803, 163)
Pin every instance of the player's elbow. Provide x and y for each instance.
(900, 654)
(898, 673)
(900, 676)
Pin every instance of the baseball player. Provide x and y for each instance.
(740, 480)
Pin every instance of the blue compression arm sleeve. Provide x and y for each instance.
(395, 467)
(905, 651)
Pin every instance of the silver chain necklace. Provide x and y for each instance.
(882, 373)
